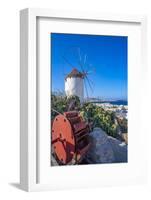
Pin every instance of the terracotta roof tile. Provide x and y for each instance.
(74, 73)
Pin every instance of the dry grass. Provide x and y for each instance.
(125, 137)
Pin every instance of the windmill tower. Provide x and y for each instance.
(77, 80)
(74, 84)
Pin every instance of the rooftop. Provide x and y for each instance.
(75, 73)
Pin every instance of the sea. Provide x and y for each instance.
(114, 102)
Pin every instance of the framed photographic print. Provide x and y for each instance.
(82, 79)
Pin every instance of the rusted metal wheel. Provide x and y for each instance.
(70, 140)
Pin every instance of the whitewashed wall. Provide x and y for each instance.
(74, 86)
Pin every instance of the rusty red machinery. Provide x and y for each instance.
(70, 137)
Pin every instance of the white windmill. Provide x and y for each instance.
(77, 80)
(74, 84)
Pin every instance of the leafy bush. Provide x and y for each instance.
(100, 118)
(60, 103)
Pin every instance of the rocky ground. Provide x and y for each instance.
(106, 149)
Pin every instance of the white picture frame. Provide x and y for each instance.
(29, 148)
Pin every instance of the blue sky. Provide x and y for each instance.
(106, 58)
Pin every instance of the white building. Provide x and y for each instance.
(74, 84)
